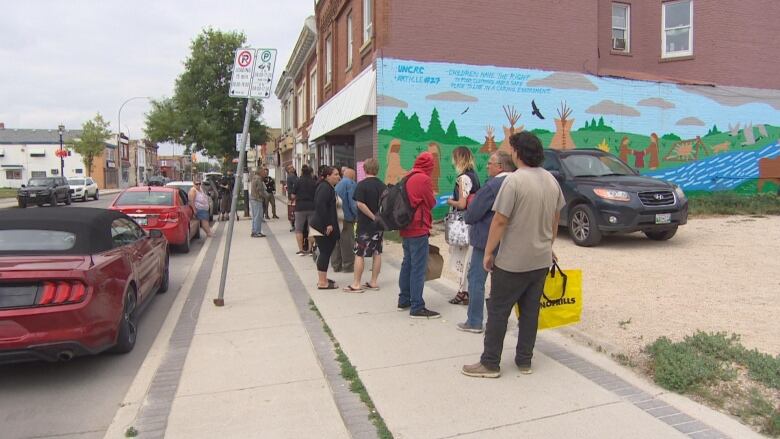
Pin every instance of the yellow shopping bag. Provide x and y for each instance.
(561, 302)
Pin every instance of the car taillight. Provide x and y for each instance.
(169, 217)
(61, 292)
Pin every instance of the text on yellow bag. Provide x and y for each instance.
(561, 301)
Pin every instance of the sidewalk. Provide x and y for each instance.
(262, 367)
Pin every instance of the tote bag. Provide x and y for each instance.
(561, 301)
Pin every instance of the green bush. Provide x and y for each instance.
(681, 367)
(730, 203)
(762, 367)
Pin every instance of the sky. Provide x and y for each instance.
(65, 61)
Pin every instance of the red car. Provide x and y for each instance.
(161, 208)
(74, 281)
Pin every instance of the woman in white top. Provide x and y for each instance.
(200, 202)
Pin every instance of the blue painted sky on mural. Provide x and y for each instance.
(454, 89)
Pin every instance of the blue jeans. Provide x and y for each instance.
(477, 277)
(412, 278)
(257, 216)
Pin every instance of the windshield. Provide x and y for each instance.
(586, 165)
(40, 181)
(148, 198)
(185, 187)
(36, 240)
(76, 181)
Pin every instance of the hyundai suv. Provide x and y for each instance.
(604, 195)
(44, 190)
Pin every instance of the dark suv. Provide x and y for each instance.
(604, 195)
(44, 190)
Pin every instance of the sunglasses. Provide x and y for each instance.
(197, 184)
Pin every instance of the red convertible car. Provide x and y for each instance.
(161, 208)
(74, 281)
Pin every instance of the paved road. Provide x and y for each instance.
(78, 399)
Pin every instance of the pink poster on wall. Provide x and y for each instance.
(361, 174)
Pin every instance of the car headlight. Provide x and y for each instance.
(612, 194)
(680, 194)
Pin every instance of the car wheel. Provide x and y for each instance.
(185, 248)
(128, 329)
(661, 235)
(583, 228)
(22, 204)
(53, 200)
(67, 200)
(97, 195)
(166, 275)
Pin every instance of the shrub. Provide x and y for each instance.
(682, 368)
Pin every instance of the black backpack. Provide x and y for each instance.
(395, 211)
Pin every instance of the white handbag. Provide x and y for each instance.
(456, 231)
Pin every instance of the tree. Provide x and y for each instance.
(400, 124)
(601, 122)
(201, 115)
(415, 129)
(435, 131)
(92, 142)
(452, 135)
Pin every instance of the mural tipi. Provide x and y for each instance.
(513, 116)
(562, 138)
(490, 141)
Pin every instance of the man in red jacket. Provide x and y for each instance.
(411, 281)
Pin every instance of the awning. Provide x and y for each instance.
(355, 100)
(37, 152)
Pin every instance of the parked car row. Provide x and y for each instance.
(54, 190)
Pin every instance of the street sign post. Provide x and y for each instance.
(238, 140)
(252, 78)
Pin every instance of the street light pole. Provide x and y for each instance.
(119, 118)
(61, 130)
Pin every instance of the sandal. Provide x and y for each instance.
(462, 298)
(350, 289)
(369, 287)
(331, 286)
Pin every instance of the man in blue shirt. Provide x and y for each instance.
(343, 258)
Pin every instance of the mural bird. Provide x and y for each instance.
(535, 110)
(464, 111)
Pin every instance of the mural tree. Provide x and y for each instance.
(435, 131)
(452, 133)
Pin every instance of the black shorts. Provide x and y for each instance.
(367, 244)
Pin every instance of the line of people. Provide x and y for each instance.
(518, 208)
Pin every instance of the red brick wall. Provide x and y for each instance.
(735, 42)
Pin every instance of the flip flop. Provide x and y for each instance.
(349, 289)
(369, 287)
(331, 286)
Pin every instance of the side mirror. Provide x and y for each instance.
(557, 174)
(24, 185)
(155, 233)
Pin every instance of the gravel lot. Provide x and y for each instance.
(716, 274)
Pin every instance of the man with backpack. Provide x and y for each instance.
(418, 190)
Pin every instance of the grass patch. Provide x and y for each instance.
(717, 368)
(732, 203)
(131, 432)
(7, 192)
(350, 374)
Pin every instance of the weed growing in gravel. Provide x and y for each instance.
(624, 323)
(729, 203)
(717, 368)
(131, 432)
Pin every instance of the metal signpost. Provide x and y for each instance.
(253, 71)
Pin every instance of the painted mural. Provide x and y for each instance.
(700, 137)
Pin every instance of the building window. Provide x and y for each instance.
(368, 20)
(621, 20)
(78, 171)
(299, 118)
(677, 37)
(13, 174)
(313, 92)
(328, 60)
(55, 172)
(349, 40)
(38, 174)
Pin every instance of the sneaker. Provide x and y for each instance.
(260, 235)
(525, 370)
(480, 371)
(300, 253)
(465, 327)
(404, 306)
(424, 314)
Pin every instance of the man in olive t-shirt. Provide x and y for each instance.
(527, 211)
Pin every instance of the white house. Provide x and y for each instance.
(26, 153)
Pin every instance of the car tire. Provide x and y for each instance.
(166, 275)
(185, 248)
(583, 226)
(97, 195)
(53, 200)
(661, 235)
(68, 200)
(22, 204)
(127, 334)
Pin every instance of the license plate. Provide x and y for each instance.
(663, 218)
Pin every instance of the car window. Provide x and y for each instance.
(182, 197)
(586, 165)
(123, 232)
(36, 240)
(145, 198)
(90, 181)
(551, 163)
(76, 181)
(40, 181)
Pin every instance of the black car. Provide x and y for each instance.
(44, 190)
(605, 195)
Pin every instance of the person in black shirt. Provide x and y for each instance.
(304, 207)
(292, 180)
(270, 186)
(325, 224)
(369, 234)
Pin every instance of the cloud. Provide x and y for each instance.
(389, 101)
(452, 96)
(569, 81)
(736, 96)
(610, 107)
(656, 102)
(690, 121)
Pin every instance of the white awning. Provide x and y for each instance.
(355, 100)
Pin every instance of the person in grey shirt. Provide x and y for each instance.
(257, 195)
(527, 212)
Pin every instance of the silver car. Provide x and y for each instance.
(83, 188)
